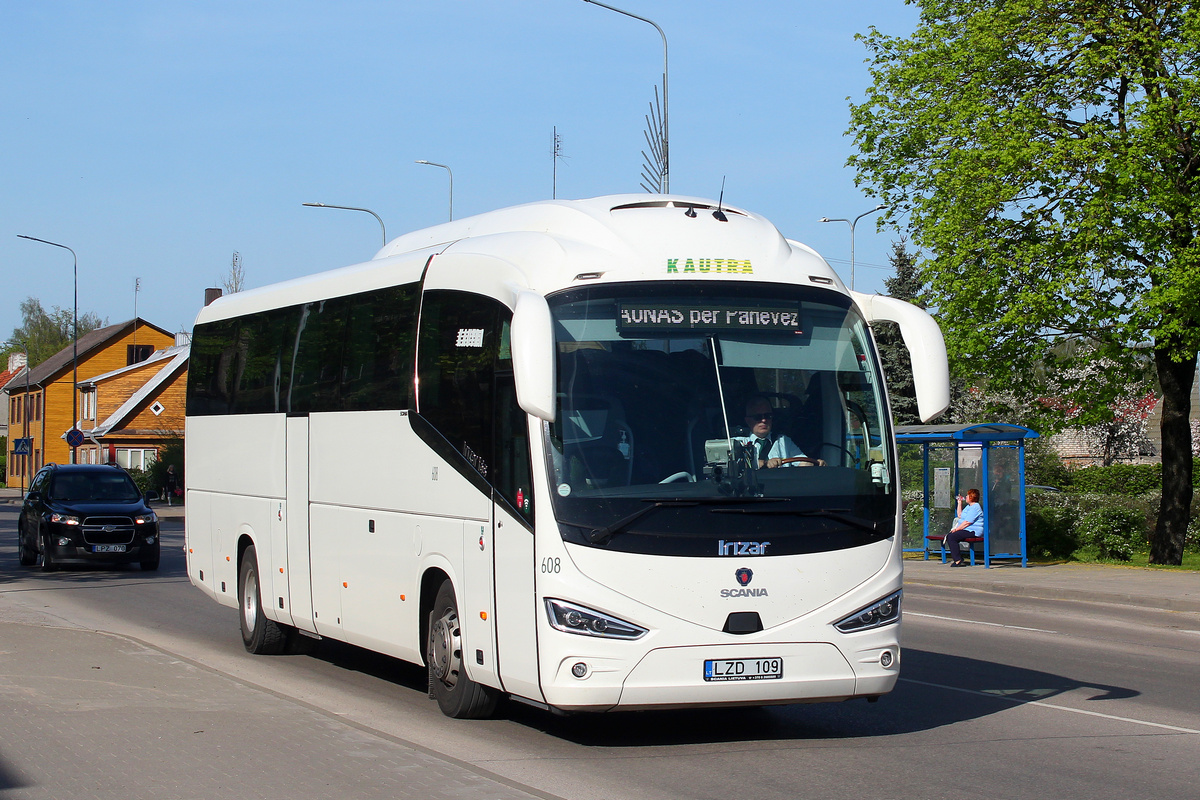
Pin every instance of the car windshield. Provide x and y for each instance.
(727, 402)
(100, 487)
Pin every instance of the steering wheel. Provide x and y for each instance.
(678, 476)
(815, 462)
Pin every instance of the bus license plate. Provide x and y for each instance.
(109, 548)
(743, 669)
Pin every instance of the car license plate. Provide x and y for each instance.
(108, 548)
(743, 669)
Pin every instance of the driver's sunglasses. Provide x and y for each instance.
(760, 416)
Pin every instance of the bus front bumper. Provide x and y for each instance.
(674, 677)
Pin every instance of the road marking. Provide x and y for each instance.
(978, 622)
(1044, 704)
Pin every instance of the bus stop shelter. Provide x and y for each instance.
(986, 456)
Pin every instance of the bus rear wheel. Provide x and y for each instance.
(457, 695)
(260, 635)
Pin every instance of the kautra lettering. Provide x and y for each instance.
(741, 266)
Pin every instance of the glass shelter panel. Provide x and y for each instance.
(1003, 500)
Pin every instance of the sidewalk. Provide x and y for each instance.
(1168, 590)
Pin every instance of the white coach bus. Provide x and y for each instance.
(515, 448)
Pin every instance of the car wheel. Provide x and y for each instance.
(48, 564)
(260, 635)
(26, 554)
(149, 560)
(457, 695)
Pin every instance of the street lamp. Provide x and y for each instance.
(443, 166)
(352, 208)
(879, 207)
(666, 165)
(75, 337)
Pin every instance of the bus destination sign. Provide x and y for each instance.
(707, 317)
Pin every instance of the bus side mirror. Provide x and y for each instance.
(926, 349)
(533, 355)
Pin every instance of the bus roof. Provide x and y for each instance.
(555, 244)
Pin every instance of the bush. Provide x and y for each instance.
(1050, 525)
(170, 454)
(1124, 479)
(1113, 532)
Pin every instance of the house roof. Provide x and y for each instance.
(93, 340)
(158, 355)
(11, 374)
(178, 358)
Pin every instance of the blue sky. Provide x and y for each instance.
(157, 138)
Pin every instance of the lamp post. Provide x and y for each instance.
(879, 207)
(352, 208)
(666, 167)
(75, 339)
(450, 173)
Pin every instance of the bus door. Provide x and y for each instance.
(516, 599)
(295, 522)
(467, 395)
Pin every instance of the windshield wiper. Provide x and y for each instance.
(602, 535)
(839, 514)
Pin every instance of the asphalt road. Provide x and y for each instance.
(998, 697)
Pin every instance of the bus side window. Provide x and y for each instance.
(459, 342)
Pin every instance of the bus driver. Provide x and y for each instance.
(771, 451)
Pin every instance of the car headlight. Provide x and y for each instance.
(880, 613)
(143, 519)
(570, 618)
(64, 519)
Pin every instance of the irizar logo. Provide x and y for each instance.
(725, 548)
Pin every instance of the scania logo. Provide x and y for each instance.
(744, 575)
(725, 548)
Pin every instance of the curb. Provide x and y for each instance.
(1062, 593)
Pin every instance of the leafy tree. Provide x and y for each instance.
(44, 334)
(1047, 155)
(906, 284)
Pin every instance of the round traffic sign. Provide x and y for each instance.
(75, 437)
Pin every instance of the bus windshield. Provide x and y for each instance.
(694, 413)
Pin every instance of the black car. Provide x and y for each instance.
(83, 513)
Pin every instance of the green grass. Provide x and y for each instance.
(1191, 560)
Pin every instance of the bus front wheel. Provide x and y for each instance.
(260, 635)
(457, 695)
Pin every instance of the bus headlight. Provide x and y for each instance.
(570, 618)
(880, 613)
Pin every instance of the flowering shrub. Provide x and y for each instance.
(1114, 532)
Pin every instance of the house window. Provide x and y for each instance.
(136, 353)
(137, 458)
(89, 404)
(158, 408)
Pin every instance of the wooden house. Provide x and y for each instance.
(47, 402)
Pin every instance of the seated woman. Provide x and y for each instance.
(967, 524)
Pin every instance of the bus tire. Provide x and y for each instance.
(260, 635)
(457, 695)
